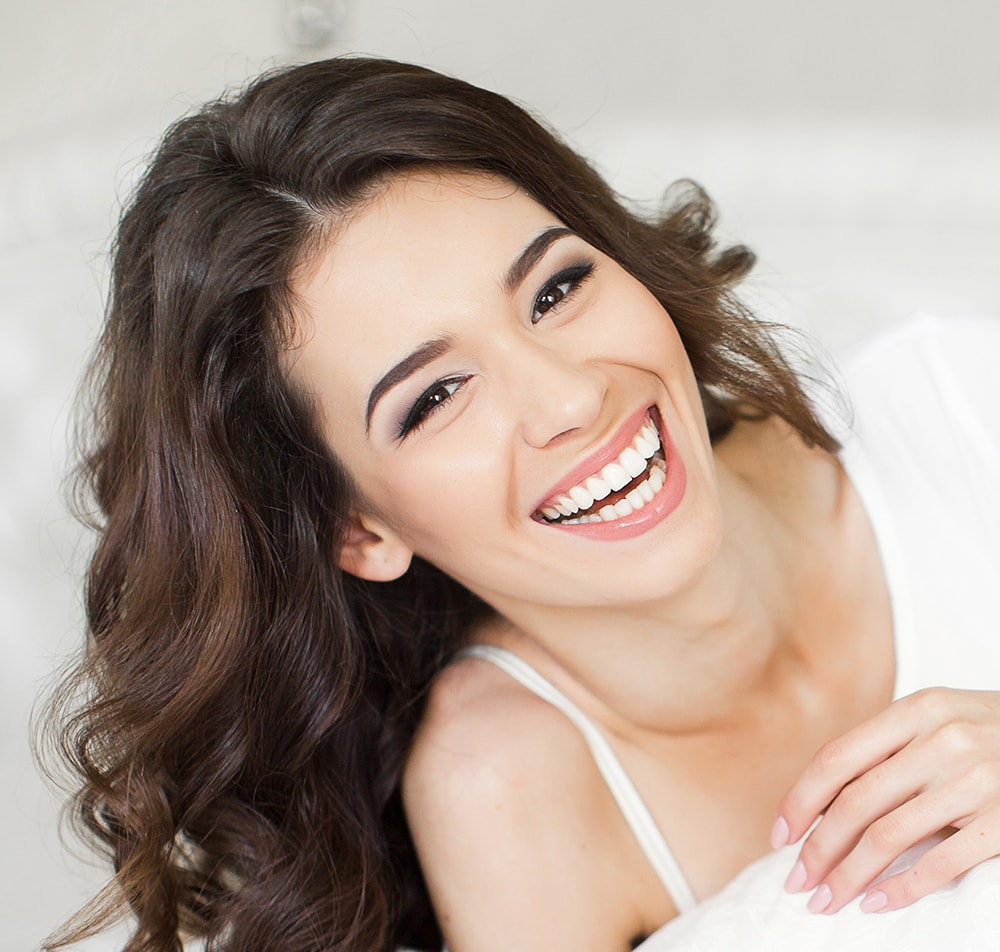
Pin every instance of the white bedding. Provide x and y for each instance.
(754, 913)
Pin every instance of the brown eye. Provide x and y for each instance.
(434, 397)
(551, 297)
(559, 289)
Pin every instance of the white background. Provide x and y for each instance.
(855, 146)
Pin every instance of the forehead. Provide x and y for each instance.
(415, 223)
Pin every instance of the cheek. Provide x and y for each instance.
(441, 503)
(649, 339)
(664, 348)
(640, 330)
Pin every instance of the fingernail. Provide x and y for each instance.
(779, 833)
(874, 901)
(796, 878)
(820, 899)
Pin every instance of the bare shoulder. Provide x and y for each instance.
(484, 727)
(488, 749)
(520, 841)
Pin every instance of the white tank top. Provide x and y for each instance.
(633, 809)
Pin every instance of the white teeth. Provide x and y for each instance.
(581, 497)
(597, 487)
(570, 507)
(643, 446)
(580, 520)
(633, 462)
(615, 475)
(565, 510)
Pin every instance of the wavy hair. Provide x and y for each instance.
(240, 717)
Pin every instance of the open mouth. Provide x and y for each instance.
(622, 487)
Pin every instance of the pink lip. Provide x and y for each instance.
(642, 520)
(594, 463)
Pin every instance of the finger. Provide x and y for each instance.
(861, 805)
(961, 851)
(888, 838)
(868, 821)
(847, 757)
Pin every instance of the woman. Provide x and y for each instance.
(463, 542)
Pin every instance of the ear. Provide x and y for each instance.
(373, 551)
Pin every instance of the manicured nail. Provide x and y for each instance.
(874, 901)
(820, 899)
(779, 833)
(796, 878)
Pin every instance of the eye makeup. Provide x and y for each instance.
(560, 288)
(431, 400)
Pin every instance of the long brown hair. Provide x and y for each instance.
(241, 715)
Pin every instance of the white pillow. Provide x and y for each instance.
(753, 912)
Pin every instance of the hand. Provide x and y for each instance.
(928, 762)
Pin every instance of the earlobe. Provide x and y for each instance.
(373, 551)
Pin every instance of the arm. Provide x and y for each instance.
(930, 761)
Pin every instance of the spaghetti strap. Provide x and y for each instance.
(635, 811)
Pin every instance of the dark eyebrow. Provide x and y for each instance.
(531, 255)
(410, 364)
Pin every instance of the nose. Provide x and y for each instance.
(552, 393)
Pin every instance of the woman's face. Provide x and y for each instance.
(486, 377)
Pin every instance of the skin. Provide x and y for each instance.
(718, 650)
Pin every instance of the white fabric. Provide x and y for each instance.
(754, 914)
(923, 452)
(636, 814)
(924, 455)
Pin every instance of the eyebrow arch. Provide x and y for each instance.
(531, 255)
(410, 364)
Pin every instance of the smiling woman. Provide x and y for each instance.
(471, 566)
(510, 326)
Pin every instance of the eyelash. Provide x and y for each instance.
(573, 276)
(426, 404)
(431, 400)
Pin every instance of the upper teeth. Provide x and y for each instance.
(631, 462)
